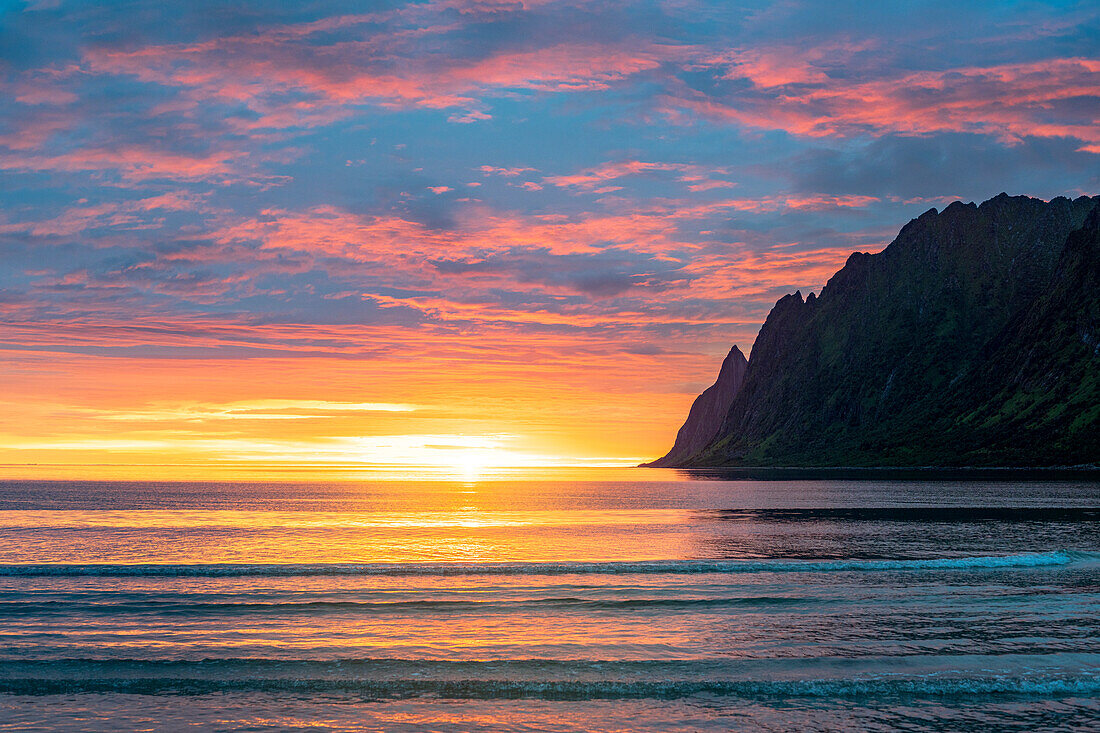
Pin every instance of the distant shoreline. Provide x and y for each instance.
(772, 473)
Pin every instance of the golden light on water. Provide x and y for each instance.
(461, 534)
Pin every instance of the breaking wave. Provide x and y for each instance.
(1024, 560)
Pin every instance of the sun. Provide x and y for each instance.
(469, 465)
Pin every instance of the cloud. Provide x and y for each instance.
(509, 172)
(277, 197)
(269, 409)
(1007, 101)
(595, 178)
(330, 281)
(956, 165)
(132, 163)
(146, 106)
(285, 82)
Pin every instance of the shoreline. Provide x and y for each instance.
(781, 473)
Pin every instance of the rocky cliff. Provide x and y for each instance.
(972, 339)
(707, 412)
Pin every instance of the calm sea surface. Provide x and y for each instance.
(564, 600)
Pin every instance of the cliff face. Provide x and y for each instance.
(707, 412)
(971, 340)
(1037, 389)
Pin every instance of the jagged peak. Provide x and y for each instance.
(787, 302)
(999, 200)
(786, 310)
(957, 207)
(1002, 200)
(855, 268)
(707, 412)
(922, 220)
(732, 360)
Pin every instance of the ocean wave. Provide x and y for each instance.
(506, 679)
(1024, 560)
(159, 607)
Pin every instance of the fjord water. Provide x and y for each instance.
(554, 600)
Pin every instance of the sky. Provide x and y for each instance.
(471, 233)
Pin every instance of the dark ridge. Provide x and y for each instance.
(916, 514)
(973, 339)
(894, 473)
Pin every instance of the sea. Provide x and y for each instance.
(552, 600)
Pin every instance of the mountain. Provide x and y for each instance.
(973, 339)
(707, 412)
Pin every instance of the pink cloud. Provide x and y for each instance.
(803, 202)
(45, 95)
(254, 69)
(709, 185)
(173, 200)
(1009, 100)
(490, 170)
(465, 118)
(405, 245)
(132, 162)
(592, 178)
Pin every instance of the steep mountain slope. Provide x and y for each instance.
(708, 411)
(1037, 392)
(965, 342)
